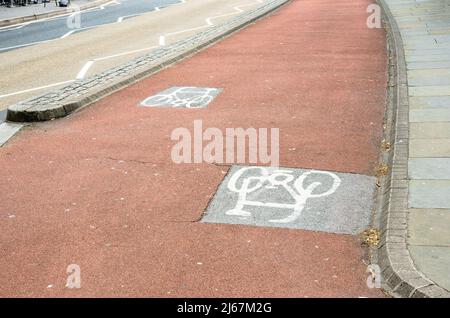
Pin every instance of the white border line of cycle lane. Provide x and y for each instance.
(80, 74)
(62, 15)
(102, 7)
(162, 38)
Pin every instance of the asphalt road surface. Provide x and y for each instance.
(44, 30)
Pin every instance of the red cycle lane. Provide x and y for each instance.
(99, 188)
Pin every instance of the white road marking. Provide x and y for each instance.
(7, 130)
(36, 88)
(76, 30)
(84, 70)
(162, 38)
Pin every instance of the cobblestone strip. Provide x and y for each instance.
(63, 101)
(400, 276)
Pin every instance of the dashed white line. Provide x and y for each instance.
(23, 45)
(162, 38)
(162, 41)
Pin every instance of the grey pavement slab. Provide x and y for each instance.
(427, 51)
(418, 130)
(442, 90)
(429, 115)
(7, 130)
(184, 97)
(429, 148)
(421, 45)
(293, 198)
(426, 39)
(424, 77)
(427, 57)
(429, 227)
(434, 262)
(429, 194)
(428, 65)
(429, 168)
(429, 102)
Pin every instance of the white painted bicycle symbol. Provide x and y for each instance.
(268, 180)
(189, 97)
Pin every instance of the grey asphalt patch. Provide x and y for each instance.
(293, 198)
(185, 97)
(45, 30)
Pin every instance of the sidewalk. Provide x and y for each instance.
(99, 189)
(423, 226)
(18, 14)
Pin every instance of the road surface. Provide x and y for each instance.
(38, 68)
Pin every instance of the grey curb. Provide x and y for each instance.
(63, 101)
(13, 21)
(400, 276)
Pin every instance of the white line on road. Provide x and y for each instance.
(124, 53)
(84, 70)
(76, 30)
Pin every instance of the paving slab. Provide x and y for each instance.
(293, 198)
(433, 262)
(441, 90)
(429, 148)
(428, 65)
(436, 130)
(423, 77)
(434, 194)
(429, 115)
(429, 168)
(429, 102)
(429, 227)
(426, 51)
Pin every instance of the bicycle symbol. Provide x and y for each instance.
(268, 180)
(188, 97)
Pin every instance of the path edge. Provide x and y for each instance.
(399, 275)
